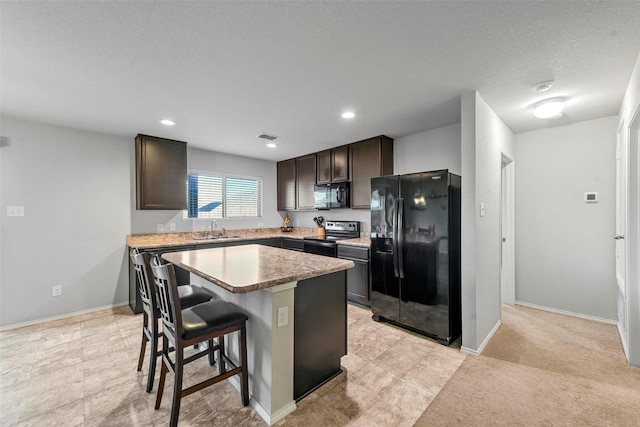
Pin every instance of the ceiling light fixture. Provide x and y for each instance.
(272, 145)
(549, 109)
(348, 115)
(167, 122)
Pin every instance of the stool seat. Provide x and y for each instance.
(191, 295)
(210, 317)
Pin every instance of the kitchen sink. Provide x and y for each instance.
(220, 237)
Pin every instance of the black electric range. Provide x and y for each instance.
(334, 231)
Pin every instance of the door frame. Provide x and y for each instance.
(507, 230)
(632, 237)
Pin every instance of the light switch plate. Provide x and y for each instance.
(15, 210)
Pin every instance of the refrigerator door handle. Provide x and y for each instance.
(400, 236)
(394, 241)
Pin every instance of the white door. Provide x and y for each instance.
(622, 153)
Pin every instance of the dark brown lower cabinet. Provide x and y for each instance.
(359, 277)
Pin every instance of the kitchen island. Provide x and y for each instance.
(296, 303)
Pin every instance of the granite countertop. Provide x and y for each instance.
(241, 269)
(165, 240)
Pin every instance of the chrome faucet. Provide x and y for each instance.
(214, 225)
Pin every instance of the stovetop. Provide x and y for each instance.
(338, 230)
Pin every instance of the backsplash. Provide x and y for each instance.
(305, 218)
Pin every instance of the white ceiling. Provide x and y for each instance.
(227, 71)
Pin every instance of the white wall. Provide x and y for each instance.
(484, 137)
(210, 161)
(564, 246)
(78, 189)
(75, 187)
(429, 150)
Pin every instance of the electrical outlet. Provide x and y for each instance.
(56, 291)
(172, 226)
(283, 316)
(159, 227)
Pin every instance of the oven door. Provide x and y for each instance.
(319, 248)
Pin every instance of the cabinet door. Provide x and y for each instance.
(340, 164)
(305, 181)
(161, 173)
(323, 162)
(369, 158)
(286, 185)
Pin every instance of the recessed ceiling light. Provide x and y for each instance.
(167, 122)
(543, 86)
(272, 145)
(549, 109)
(348, 115)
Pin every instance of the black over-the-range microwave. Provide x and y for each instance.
(331, 196)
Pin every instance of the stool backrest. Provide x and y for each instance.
(168, 299)
(143, 272)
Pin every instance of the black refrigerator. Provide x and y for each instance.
(415, 252)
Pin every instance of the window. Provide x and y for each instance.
(220, 196)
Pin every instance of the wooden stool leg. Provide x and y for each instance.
(143, 345)
(221, 354)
(244, 376)
(153, 354)
(177, 387)
(212, 356)
(163, 374)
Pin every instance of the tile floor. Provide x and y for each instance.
(81, 371)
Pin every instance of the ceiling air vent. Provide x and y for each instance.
(267, 136)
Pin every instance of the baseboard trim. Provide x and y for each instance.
(268, 418)
(567, 313)
(62, 316)
(484, 343)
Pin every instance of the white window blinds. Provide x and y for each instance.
(220, 196)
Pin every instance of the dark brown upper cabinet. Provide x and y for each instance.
(340, 164)
(369, 158)
(286, 177)
(305, 181)
(323, 162)
(161, 173)
(333, 165)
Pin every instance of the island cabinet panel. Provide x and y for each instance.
(369, 158)
(161, 173)
(286, 183)
(320, 334)
(305, 181)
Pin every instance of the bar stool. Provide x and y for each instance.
(189, 295)
(182, 328)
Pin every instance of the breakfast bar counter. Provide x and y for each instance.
(240, 269)
(297, 328)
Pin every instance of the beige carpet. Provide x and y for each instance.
(542, 369)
